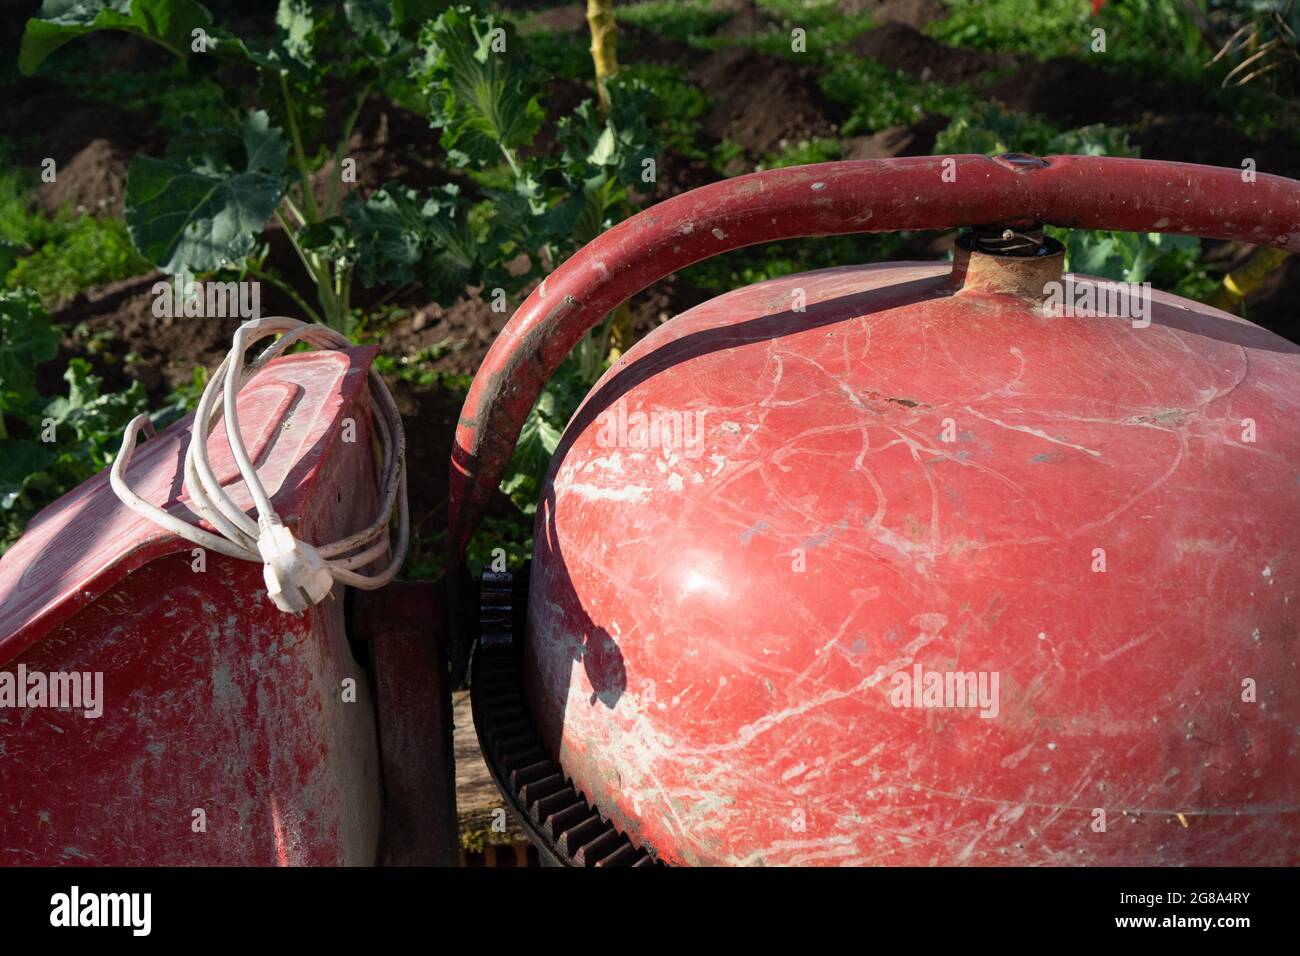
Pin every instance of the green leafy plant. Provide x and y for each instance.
(483, 93)
(990, 128)
(203, 206)
(57, 255)
(828, 26)
(675, 107)
(49, 444)
(683, 20)
(1047, 27)
(1158, 36)
(881, 97)
(803, 153)
(83, 252)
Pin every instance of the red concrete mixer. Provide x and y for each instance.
(910, 563)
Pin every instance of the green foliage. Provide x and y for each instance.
(80, 253)
(415, 369)
(1156, 37)
(684, 20)
(512, 533)
(483, 91)
(206, 212)
(826, 24)
(1045, 27)
(49, 444)
(228, 171)
(60, 255)
(481, 96)
(881, 97)
(1122, 256)
(181, 98)
(991, 129)
(403, 237)
(28, 340)
(204, 205)
(169, 23)
(803, 153)
(676, 105)
(555, 54)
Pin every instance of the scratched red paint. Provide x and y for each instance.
(214, 699)
(724, 707)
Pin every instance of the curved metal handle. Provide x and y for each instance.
(934, 192)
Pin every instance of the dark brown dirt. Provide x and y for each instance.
(747, 20)
(678, 174)
(900, 47)
(466, 329)
(119, 319)
(913, 13)
(760, 102)
(1213, 140)
(388, 143)
(93, 181)
(1073, 91)
(44, 120)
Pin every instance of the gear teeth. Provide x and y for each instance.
(559, 820)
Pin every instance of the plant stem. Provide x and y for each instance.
(319, 273)
(300, 157)
(290, 292)
(604, 46)
(293, 208)
(510, 159)
(331, 204)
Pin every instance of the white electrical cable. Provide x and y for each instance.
(297, 574)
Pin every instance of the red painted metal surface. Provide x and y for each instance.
(915, 473)
(213, 700)
(936, 192)
(714, 638)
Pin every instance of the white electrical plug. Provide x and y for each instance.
(298, 575)
(295, 574)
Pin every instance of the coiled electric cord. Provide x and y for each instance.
(297, 574)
